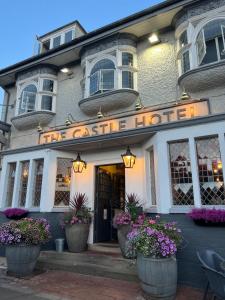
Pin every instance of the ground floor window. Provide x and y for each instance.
(10, 184)
(63, 179)
(38, 176)
(181, 174)
(152, 174)
(23, 183)
(210, 171)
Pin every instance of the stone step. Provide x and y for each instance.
(89, 263)
(105, 248)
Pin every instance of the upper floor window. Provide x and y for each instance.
(184, 54)
(28, 99)
(127, 59)
(102, 76)
(210, 42)
(40, 95)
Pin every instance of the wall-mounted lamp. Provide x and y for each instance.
(69, 120)
(39, 128)
(128, 158)
(100, 114)
(154, 39)
(79, 164)
(66, 70)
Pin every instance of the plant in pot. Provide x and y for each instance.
(123, 222)
(77, 223)
(156, 244)
(208, 216)
(15, 213)
(22, 240)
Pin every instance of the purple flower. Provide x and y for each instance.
(208, 215)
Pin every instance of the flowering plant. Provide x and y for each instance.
(207, 215)
(15, 213)
(25, 231)
(79, 212)
(132, 205)
(123, 218)
(154, 238)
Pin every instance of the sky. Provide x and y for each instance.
(22, 20)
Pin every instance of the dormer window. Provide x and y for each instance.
(38, 95)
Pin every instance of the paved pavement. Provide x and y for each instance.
(9, 294)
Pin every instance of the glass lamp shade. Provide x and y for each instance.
(79, 164)
(128, 158)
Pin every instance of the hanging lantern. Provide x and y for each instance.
(128, 158)
(79, 164)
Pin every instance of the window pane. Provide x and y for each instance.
(38, 176)
(127, 80)
(221, 48)
(46, 102)
(28, 99)
(107, 80)
(56, 41)
(48, 85)
(127, 59)
(181, 174)
(68, 36)
(211, 53)
(46, 46)
(94, 83)
(63, 178)
(23, 183)
(103, 64)
(185, 62)
(10, 184)
(210, 171)
(183, 40)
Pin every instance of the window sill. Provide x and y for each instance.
(32, 119)
(181, 209)
(60, 209)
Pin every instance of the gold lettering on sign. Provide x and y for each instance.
(75, 133)
(95, 130)
(140, 123)
(111, 128)
(168, 115)
(155, 119)
(192, 112)
(103, 126)
(122, 125)
(181, 113)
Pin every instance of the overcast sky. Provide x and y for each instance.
(22, 20)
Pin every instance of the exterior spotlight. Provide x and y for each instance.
(39, 128)
(79, 164)
(100, 114)
(128, 158)
(138, 104)
(68, 122)
(65, 70)
(154, 39)
(184, 96)
(219, 165)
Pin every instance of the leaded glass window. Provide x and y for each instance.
(181, 174)
(38, 176)
(10, 183)
(23, 183)
(63, 179)
(127, 80)
(210, 171)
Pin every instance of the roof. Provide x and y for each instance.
(93, 35)
(76, 22)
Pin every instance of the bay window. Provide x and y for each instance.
(210, 42)
(184, 52)
(28, 99)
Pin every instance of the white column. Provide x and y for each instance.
(163, 190)
(15, 199)
(30, 184)
(48, 182)
(195, 174)
(3, 183)
(222, 152)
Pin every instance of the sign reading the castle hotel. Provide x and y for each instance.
(172, 114)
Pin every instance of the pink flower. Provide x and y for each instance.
(151, 221)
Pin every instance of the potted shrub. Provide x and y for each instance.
(77, 222)
(208, 216)
(15, 213)
(22, 240)
(156, 245)
(123, 222)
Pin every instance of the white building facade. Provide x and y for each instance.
(98, 93)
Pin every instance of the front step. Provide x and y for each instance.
(89, 263)
(105, 248)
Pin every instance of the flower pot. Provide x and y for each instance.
(77, 237)
(21, 259)
(158, 276)
(125, 246)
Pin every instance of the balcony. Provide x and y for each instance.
(203, 77)
(32, 119)
(108, 101)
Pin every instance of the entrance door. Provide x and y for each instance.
(110, 198)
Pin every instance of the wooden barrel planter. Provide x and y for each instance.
(158, 276)
(122, 231)
(21, 259)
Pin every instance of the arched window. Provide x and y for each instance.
(210, 42)
(28, 99)
(102, 77)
